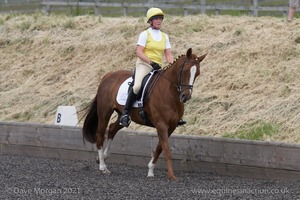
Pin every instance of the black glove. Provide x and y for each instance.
(155, 65)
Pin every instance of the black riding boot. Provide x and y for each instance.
(125, 118)
(181, 122)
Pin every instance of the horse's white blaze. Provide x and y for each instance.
(151, 167)
(193, 71)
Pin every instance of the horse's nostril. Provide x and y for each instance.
(184, 98)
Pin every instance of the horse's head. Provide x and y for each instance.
(188, 68)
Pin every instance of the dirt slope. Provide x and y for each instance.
(249, 79)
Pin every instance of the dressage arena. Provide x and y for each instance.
(52, 162)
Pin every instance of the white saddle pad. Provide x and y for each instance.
(123, 93)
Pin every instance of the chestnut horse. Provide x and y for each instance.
(164, 107)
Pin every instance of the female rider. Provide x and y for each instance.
(152, 46)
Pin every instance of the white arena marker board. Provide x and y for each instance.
(66, 115)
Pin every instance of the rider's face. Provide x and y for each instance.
(156, 22)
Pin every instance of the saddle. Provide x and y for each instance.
(146, 88)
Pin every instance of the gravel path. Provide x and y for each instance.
(25, 177)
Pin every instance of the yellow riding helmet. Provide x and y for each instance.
(154, 12)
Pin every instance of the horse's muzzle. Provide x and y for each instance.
(184, 97)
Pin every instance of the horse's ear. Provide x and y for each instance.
(201, 57)
(189, 53)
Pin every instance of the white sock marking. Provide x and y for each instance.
(102, 166)
(151, 167)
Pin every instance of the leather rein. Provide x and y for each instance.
(179, 86)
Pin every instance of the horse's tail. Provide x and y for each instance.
(91, 122)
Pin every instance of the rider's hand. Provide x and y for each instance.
(155, 65)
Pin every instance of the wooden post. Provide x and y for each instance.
(47, 9)
(149, 2)
(255, 8)
(97, 8)
(203, 6)
(125, 11)
(185, 12)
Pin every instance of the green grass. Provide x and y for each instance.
(256, 131)
(69, 24)
(22, 116)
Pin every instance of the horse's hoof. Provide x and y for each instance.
(105, 171)
(173, 178)
(150, 176)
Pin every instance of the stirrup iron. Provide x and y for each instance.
(125, 120)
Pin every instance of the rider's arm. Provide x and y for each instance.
(168, 55)
(139, 51)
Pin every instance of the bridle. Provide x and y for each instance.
(180, 80)
(179, 86)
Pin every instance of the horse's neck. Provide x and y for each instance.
(169, 83)
(171, 72)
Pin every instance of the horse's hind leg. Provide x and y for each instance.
(103, 121)
(100, 141)
(112, 131)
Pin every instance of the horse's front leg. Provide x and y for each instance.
(168, 158)
(164, 141)
(153, 160)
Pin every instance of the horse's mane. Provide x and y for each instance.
(171, 64)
